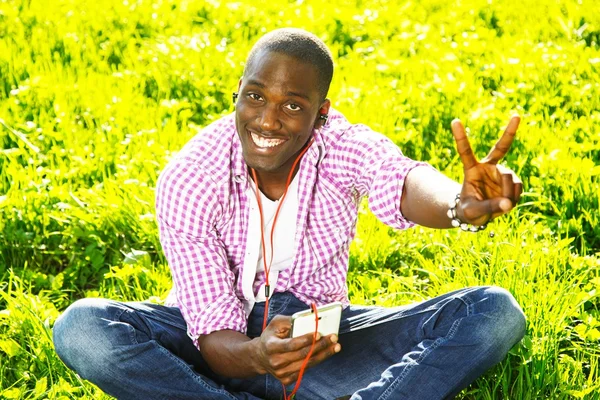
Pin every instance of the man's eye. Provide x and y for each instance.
(293, 107)
(254, 96)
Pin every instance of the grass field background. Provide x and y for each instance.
(96, 97)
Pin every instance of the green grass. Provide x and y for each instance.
(96, 97)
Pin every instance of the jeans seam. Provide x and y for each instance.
(118, 314)
(193, 375)
(465, 299)
(284, 304)
(388, 392)
(130, 328)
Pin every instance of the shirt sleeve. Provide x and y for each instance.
(187, 210)
(378, 170)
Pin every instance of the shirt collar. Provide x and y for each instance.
(240, 170)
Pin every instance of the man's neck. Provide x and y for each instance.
(272, 185)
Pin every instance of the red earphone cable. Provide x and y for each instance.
(262, 231)
(305, 362)
(268, 267)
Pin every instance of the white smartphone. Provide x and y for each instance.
(303, 322)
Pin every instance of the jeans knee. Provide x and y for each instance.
(78, 334)
(509, 313)
(502, 319)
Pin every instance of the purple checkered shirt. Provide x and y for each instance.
(202, 210)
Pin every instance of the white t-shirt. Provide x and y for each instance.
(283, 241)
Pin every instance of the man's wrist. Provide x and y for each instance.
(253, 355)
(230, 354)
(256, 355)
(458, 221)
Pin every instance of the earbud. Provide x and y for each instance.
(234, 97)
(323, 115)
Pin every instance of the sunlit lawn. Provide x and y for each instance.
(96, 97)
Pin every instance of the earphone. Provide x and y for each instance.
(267, 266)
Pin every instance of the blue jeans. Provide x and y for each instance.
(428, 350)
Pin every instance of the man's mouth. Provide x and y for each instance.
(262, 142)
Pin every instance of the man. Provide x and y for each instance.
(262, 204)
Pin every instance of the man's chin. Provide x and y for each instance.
(261, 166)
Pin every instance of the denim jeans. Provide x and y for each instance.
(428, 350)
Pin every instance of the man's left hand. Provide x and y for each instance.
(489, 190)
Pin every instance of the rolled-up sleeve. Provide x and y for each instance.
(387, 176)
(188, 210)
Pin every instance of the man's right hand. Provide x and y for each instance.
(281, 356)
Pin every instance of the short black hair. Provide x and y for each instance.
(301, 45)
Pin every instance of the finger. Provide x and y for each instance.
(290, 345)
(283, 364)
(518, 191)
(288, 380)
(508, 187)
(298, 348)
(480, 212)
(319, 355)
(503, 144)
(462, 144)
(518, 184)
(287, 365)
(320, 345)
(280, 326)
(280, 321)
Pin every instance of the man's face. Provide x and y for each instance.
(279, 104)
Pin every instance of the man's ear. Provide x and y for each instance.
(323, 114)
(235, 95)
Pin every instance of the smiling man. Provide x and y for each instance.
(256, 216)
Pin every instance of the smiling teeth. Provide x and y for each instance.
(262, 142)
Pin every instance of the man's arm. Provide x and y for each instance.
(426, 196)
(489, 190)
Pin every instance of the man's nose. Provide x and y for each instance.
(269, 119)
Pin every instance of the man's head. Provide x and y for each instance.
(299, 44)
(282, 96)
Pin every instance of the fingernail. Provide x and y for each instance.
(318, 336)
(505, 204)
(337, 348)
(334, 338)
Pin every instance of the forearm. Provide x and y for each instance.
(426, 197)
(230, 354)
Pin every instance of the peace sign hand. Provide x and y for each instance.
(489, 190)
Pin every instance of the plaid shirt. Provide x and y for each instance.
(202, 210)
